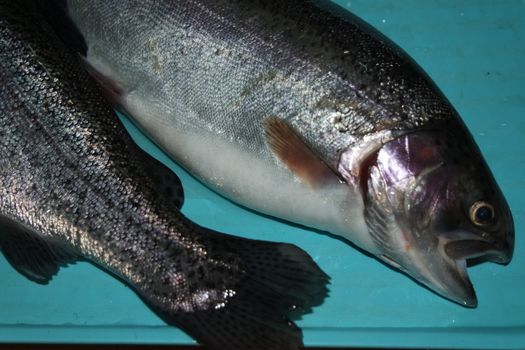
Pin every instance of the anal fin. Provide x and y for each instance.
(34, 256)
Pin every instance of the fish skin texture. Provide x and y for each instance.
(73, 186)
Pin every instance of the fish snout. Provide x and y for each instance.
(502, 251)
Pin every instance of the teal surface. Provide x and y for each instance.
(475, 51)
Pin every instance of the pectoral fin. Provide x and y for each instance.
(288, 146)
(35, 257)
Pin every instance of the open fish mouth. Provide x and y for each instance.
(478, 250)
(454, 282)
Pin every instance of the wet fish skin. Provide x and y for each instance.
(73, 186)
(300, 113)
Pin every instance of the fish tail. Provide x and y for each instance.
(279, 282)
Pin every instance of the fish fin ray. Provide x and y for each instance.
(298, 157)
(275, 278)
(34, 256)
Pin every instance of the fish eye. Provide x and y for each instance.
(482, 213)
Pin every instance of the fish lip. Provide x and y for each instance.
(456, 283)
(465, 295)
(471, 246)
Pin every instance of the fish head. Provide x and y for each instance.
(432, 205)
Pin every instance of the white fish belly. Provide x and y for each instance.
(254, 181)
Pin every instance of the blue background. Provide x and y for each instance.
(475, 51)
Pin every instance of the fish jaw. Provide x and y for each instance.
(471, 247)
(444, 269)
(454, 284)
(455, 250)
(445, 276)
(433, 267)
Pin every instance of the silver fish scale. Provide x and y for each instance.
(245, 61)
(75, 178)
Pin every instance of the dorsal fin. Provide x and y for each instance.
(34, 256)
(288, 146)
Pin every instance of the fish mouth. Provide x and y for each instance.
(465, 247)
(471, 246)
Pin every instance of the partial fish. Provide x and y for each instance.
(73, 186)
(303, 112)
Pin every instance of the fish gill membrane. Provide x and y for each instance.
(308, 114)
(73, 186)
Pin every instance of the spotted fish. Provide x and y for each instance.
(73, 186)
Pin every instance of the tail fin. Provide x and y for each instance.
(278, 279)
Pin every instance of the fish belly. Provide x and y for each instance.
(255, 181)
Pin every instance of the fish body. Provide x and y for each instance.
(73, 186)
(307, 114)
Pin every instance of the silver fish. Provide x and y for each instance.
(73, 186)
(308, 114)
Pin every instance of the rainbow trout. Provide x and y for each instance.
(73, 186)
(305, 113)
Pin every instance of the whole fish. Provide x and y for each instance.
(74, 186)
(303, 112)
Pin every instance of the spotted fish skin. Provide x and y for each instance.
(73, 186)
(304, 112)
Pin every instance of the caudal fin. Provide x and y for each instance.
(277, 279)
